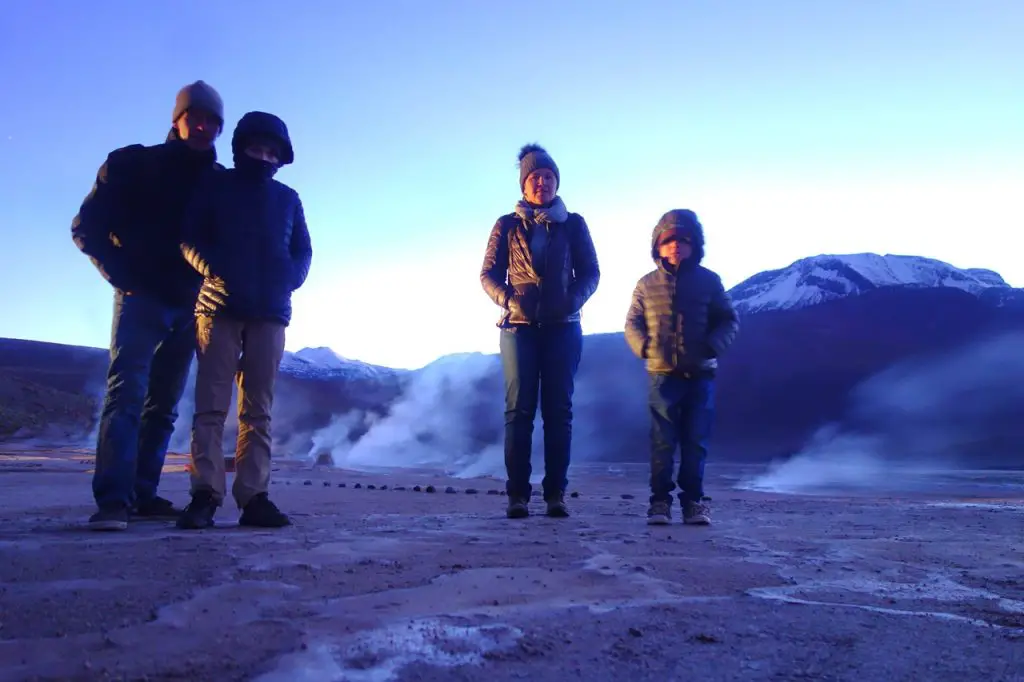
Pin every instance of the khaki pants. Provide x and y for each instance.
(248, 352)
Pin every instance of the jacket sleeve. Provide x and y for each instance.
(301, 248)
(197, 243)
(494, 272)
(636, 322)
(724, 321)
(585, 267)
(104, 214)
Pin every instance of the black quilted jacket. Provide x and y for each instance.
(570, 272)
(681, 322)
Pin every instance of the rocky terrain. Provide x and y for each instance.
(377, 581)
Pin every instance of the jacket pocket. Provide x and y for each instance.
(660, 351)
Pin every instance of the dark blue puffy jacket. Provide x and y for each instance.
(248, 238)
(246, 233)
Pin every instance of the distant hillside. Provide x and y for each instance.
(792, 371)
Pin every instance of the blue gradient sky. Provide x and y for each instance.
(792, 128)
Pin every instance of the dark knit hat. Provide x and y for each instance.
(683, 222)
(533, 157)
(199, 95)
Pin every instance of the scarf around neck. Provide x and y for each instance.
(538, 221)
(555, 213)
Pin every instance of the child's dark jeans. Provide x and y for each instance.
(682, 413)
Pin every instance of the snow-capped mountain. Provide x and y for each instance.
(315, 363)
(817, 279)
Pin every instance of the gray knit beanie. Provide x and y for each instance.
(533, 157)
(200, 95)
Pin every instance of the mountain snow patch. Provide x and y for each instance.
(317, 363)
(817, 279)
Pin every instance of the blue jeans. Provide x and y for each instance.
(151, 351)
(682, 414)
(539, 360)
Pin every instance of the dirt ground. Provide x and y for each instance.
(388, 583)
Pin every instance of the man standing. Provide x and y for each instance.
(130, 227)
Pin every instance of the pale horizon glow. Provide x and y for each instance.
(791, 131)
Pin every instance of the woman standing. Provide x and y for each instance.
(540, 267)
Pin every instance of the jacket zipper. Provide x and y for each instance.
(540, 278)
(677, 325)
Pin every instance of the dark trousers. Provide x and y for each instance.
(539, 360)
(682, 414)
(151, 352)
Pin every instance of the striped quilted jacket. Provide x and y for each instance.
(681, 321)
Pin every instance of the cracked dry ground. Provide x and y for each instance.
(401, 585)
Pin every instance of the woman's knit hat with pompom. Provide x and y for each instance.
(533, 157)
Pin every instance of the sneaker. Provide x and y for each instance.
(659, 513)
(156, 508)
(557, 508)
(517, 508)
(262, 513)
(696, 513)
(199, 512)
(115, 518)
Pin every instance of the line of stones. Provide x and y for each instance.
(431, 489)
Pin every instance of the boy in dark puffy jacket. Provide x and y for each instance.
(680, 321)
(245, 233)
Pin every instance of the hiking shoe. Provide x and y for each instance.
(659, 513)
(199, 512)
(557, 508)
(156, 508)
(114, 518)
(260, 512)
(696, 513)
(517, 508)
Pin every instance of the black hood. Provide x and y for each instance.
(260, 123)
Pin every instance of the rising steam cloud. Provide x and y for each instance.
(446, 419)
(450, 417)
(903, 426)
(447, 416)
(912, 422)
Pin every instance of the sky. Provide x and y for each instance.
(792, 128)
